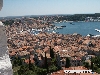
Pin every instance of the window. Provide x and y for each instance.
(78, 64)
(85, 71)
(62, 62)
(10, 51)
(75, 64)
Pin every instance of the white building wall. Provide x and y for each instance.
(5, 64)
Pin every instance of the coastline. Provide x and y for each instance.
(23, 44)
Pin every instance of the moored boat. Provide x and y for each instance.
(63, 26)
(97, 30)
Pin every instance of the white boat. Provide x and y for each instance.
(90, 35)
(97, 30)
(39, 30)
(96, 36)
(48, 30)
(33, 29)
(53, 32)
(59, 27)
(55, 28)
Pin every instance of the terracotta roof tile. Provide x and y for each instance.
(20, 49)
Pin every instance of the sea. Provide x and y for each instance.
(83, 28)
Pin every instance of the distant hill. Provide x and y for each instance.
(70, 16)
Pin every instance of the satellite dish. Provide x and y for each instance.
(1, 4)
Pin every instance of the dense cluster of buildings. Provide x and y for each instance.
(22, 43)
(97, 19)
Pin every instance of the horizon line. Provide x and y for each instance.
(48, 14)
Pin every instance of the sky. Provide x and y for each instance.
(48, 7)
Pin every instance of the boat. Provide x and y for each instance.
(39, 30)
(53, 32)
(63, 26)
(33, 29)
(72, 23)
(90, 35)
(59, 27)
(55, 28)
(97, 30)
(96, 36)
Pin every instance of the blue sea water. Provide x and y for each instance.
(82, 28)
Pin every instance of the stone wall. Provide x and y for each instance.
(5, 64)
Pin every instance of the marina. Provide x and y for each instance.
(49, 37)
(83, 28)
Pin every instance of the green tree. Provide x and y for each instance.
(95, 67)
(29, 63)
(23, 69)
(40, 71)
(53, 68)
(67, 63)
(16, 61)
(8, 22)
(86, 64)
(51, 52)
(30, 72)
(53, 61)
(92, 64)
(98, 70)
(32, 67)
(34, 70)
(46, 63)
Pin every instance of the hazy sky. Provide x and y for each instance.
(44, 7)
